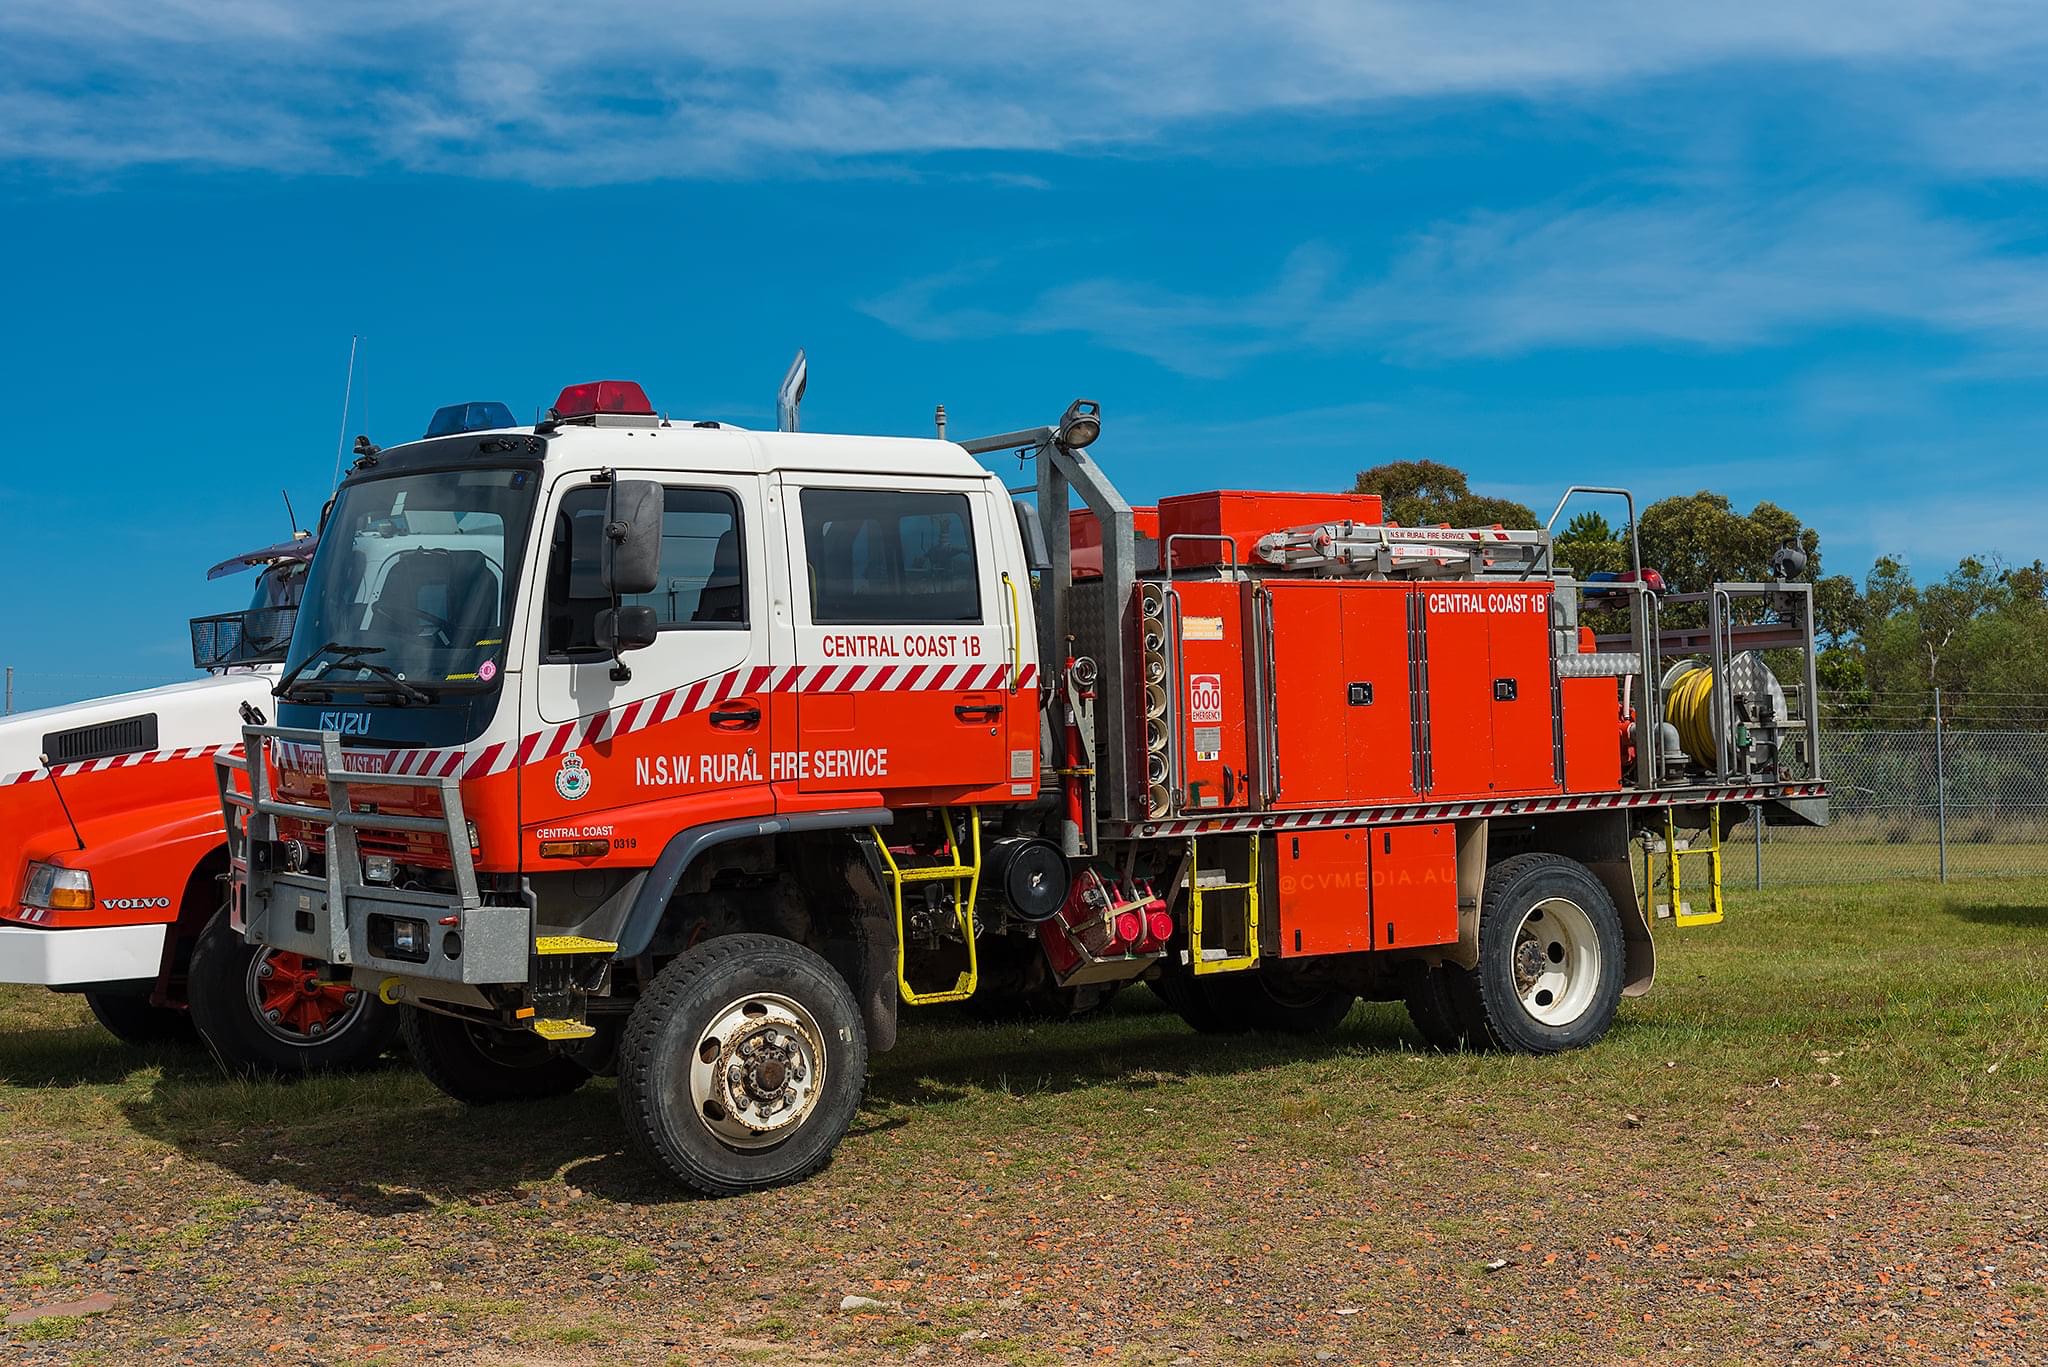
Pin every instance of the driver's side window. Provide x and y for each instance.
(703, 569)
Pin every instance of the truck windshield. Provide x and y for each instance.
(411, 577)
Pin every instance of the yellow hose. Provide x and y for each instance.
(1689, 707)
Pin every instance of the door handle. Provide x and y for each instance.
(741, 718)
(982, 711)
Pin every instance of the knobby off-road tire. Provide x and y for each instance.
(481, 1065)
(130, 1018)
(1550, 966)
(742, 1065)
(1234, 1003)
(265, 1013)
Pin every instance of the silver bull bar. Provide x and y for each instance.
(329, 916)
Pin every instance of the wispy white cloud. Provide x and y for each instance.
(1725, 270)
(651, 89)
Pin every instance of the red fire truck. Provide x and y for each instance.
(664, 747)
(111, 856)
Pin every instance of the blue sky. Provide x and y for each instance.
(1794, 252)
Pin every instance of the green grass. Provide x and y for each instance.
(1833, 1084)
(1804, 857)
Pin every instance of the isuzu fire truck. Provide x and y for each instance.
(111, 856)
(664, 747)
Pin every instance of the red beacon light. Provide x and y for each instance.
(602, 396)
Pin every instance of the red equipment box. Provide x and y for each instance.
(1085, 535)
(1346, 677)
(1245, 516)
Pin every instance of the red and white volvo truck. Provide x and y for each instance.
(694, 753)
(112, 856)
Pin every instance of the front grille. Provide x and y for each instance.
(101, 740)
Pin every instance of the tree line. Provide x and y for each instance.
(1979, 633)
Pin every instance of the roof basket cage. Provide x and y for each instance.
(250, 637)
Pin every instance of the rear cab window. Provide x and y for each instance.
(890, 557)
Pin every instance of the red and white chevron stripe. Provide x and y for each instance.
(1454, 811)
(94, 766)
(552, 742)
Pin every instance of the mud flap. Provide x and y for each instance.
(1618, 876)
(869, 948)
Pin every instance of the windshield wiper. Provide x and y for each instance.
(351, 657)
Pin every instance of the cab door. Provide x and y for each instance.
(903, 636)
(686, 737)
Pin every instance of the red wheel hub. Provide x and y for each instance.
(298, 995)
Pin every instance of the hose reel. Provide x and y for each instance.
(1757, 712)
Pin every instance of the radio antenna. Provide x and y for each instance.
(61, 803)
(290, 516)
(347, 389)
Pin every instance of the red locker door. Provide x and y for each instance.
(1414, 885)
(1379, 742)
(1212, 710)
(1518, 640)
(1309, 708)
(1460, 692)
(1323, 886)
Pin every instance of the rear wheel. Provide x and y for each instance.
(1433, 1007)
(131, 1019)
(743, 1065)
(265, 1011)
(481, 1065)
(1230, 1003)
(1550, 969)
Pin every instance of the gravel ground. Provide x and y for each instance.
(1822, 1139)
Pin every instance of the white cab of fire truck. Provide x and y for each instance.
(553, 694)
(111, 854)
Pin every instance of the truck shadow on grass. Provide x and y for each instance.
(2009, 915)
(386, 1143)
(85, 1055)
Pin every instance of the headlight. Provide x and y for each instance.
(57, 888)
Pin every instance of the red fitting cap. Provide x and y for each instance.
(1162, 926)
(1129, 926)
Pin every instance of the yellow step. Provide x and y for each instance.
(561, 1030)
(573, 944)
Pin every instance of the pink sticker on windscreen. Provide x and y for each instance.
(487, 671)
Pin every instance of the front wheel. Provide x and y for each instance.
(482, 1065)
(1550, 969)
(264, 1011)
(743, 1065)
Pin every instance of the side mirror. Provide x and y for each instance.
(630, 559)
(627, 628)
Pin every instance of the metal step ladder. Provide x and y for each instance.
(965, 876)
(1673, 851)
(1205, 883)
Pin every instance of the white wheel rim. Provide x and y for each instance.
(757, 1071)
(1556, 961)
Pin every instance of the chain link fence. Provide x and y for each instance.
(1922, 789)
